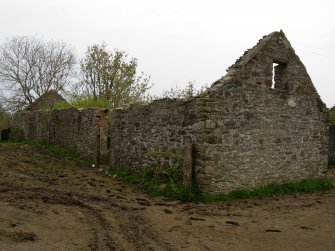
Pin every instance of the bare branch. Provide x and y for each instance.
(30, 67)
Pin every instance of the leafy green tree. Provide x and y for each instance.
(112, 77)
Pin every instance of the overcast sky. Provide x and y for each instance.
(176, 41)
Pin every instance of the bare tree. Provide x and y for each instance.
(30, 67)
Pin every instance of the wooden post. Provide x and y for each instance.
(188, 161)
(97, 148)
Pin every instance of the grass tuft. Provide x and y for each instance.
(162, 186)
(306, 186)
(18, 236)
(50, 147)
(176, 191)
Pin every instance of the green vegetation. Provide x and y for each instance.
(187, 93)
(89, 101)
(306, 186)
(18, 236)
(168, 182)
(174, 190)
(173, 173)
(332, 116)
(50, 147)
(84, 101)
(109, 79)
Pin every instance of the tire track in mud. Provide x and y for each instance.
(131, 226)
(142, 235)
(101, 240)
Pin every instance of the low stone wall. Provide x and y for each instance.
(83, 131)
(332, 143)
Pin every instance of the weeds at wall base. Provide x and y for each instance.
(165, 186)
(306, 186)
(50, 147)
(176, 191)
(161, 186)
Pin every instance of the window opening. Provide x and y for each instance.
(274, 65)
(279, 76)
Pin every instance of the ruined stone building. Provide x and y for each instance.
(262, 123)
(47, 101)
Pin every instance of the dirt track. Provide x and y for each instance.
(50, 203)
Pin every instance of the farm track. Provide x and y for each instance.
(67, 206)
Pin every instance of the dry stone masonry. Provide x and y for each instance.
(332, 143)
(81, 130)
(262, 123)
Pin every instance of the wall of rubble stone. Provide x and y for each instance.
(259, 124)
(332, 143)
(247, 131)
(77, 130)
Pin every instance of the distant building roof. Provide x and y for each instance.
(47, 101)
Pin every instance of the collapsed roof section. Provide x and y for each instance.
(271, 64)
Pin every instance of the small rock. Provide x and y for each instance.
(235, 223)
(307, 228)
(13, 224)
(273, 230)
(167, 211)
(144, 203)
(196, 219)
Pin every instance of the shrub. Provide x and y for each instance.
(332, 116)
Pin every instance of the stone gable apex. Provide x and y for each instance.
(271, 64)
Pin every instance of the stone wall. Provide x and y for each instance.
(247, 131)
(262, 123)
(332, 143)
(82, 131)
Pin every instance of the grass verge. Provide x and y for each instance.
(176, 191)
(18, 236)
(306, 186)
(50, 147)
(163, 186)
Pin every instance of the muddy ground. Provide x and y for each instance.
(48, 202)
